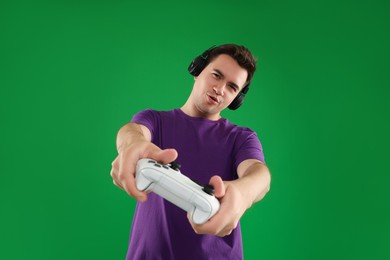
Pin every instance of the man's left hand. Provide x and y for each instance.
(233, 206)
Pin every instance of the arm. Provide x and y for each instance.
(133, 143)
(236, 197)
(254, 180)
(130, 133)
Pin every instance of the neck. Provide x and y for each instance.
(191, 110)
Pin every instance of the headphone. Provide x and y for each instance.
(200, 62)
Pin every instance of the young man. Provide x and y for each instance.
(210, 150)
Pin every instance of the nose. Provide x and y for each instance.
(219, 90)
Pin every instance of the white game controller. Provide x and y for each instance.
(169, 183)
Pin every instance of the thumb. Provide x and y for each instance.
(219, 186)
(164, 156)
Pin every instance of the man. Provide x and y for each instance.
(210, 150)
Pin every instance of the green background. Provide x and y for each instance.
(73, 72)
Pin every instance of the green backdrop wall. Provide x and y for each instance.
(73, 72)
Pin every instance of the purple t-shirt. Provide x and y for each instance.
(160, 229)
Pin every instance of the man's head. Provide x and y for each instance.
(240, 54)
(216, 87)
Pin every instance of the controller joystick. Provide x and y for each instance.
(209, 189)
(174, 165)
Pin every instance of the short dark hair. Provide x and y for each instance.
(240, 53)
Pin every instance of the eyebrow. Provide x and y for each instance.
(232, 83)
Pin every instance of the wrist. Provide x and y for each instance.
(247, 192)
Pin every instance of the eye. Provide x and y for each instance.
(233, 87)
(216, 75)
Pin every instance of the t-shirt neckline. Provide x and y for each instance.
(184, 115)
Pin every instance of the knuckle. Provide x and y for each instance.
(114, 163)
(112, 173)
(215, 233)
(121, 177)
(132, 193)
(117, 184)
(221, 234)
(232, 226)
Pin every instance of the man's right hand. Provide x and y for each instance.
(124, 165)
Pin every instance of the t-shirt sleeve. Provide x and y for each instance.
(249, 147)
(147, 118)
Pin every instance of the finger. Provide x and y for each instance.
(131, 189)
(129, 185)
(228, 229)
(225, 233)
(210, 228)
(115, 163)
(117, 184)
(126, 177)
(219, 187)
(113, 174)
(164, 156)
(218, 225)
(213, 226)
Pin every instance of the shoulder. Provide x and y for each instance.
(239, 131)
(151, 113)
(246, 143)
(146, 113)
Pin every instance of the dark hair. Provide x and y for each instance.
(241, 54)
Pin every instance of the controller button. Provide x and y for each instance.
(208, 189)
(174, 165)
(151, 161)
(165, 167)
(158, 165)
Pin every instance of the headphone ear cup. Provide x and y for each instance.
(200, 62)
(197, 65)
(237, 102)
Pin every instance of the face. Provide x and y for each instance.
(217, 86)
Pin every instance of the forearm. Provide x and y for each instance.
(254, 183)
(129, 134)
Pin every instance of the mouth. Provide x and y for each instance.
(213, 99)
